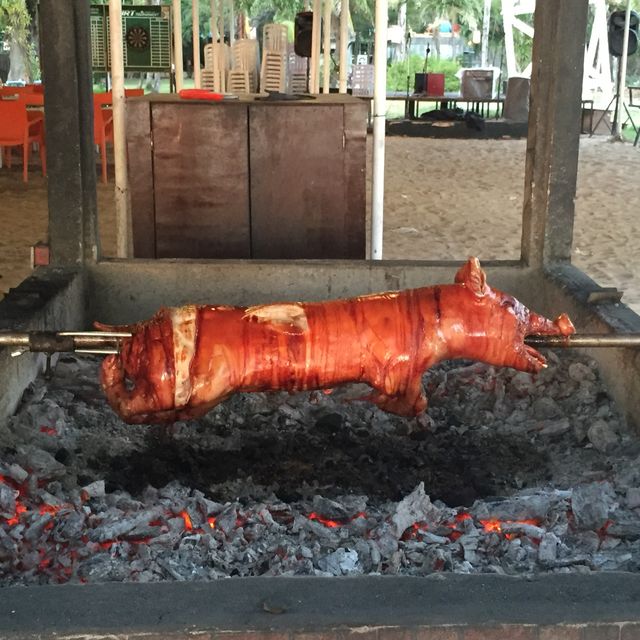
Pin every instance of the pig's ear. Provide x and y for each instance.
(472, 276)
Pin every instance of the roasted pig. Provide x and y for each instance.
(184, 361)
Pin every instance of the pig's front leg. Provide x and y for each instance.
(399, 390)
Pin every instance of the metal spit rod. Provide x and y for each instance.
(100, 342)
(106, 342)
(585, 340)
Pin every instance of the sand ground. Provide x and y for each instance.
(445, 199)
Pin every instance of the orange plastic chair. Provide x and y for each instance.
(102, 127)
(16, 130)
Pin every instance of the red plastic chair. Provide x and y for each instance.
(17, 130)
(133, 93)
(102, 127)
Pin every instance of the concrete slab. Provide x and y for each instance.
(316, 604)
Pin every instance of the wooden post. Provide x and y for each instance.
(554, 132)
(214, 22)
(621, 89)
(326, 46)
(221, 19)
(232, 23)
(486, 19)
(195, 17)
(71, 166)
(314, 72)
(119, 105)
(344, 44)
(177, 44)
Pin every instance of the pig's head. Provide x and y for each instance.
(488, 325)
(139, 380)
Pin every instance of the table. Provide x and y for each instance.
(481, 107)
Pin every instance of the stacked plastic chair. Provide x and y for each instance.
(243, 77)
(296, 71)
(217, 59)
(274, 58)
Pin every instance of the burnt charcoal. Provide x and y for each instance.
(499, 477)
(591, 505)
(331, 509)
(342, 562)
(416, 507)
(40, 461)
(603, 436)
(69, 526)
(7, 501)
(633, 497)
(546, 408)
(624, 525)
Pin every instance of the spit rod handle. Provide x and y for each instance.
(64, 341)
(621, 340)
(41, 341)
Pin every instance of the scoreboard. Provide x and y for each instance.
(146, 36)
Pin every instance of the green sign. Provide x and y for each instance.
(146, 36)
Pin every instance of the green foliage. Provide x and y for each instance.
(15, 25)
(397, 73)
(14, 20)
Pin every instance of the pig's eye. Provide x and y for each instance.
(507, 304)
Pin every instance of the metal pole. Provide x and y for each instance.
(314, 80)
(326, 46)
(344, 44)
(195, 20)
(486, 18)
(379, 110)
(119, 106)
(622, 77)
(177, 44)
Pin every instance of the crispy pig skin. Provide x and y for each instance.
(186, 360)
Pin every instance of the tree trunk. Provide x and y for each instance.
(18, 63)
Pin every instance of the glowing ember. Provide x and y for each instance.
(20, 508)
(50, 431)
(188, 525)
(212, 522)
(491, 526)
(49, 508)
(332, 524)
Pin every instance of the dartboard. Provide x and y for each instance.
(137, 38)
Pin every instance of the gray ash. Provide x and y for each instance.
(508, 473)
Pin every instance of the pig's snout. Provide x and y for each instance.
(561, 326)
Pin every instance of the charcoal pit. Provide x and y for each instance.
(509, 476)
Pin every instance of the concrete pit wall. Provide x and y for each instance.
(51, 299)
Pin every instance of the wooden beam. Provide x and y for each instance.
(66, 67)
(554, 131)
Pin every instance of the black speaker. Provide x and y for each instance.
(303, 26)
(616, 32)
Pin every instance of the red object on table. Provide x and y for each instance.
(200, 94)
